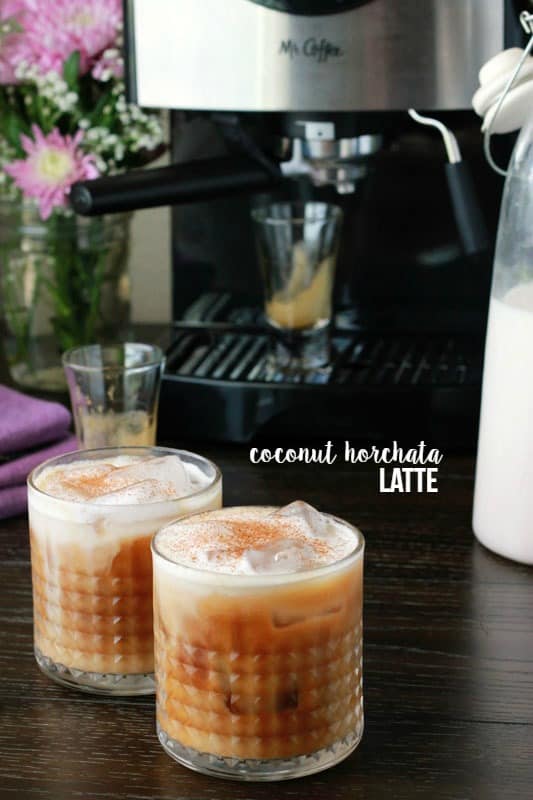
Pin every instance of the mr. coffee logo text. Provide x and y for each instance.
(401, 470)
(320, 50)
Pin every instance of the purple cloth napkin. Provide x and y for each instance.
(13, 495)
(39, 427)
(15, 472)
(13, 501)
(26, 422)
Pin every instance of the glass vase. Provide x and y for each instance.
(63, 283)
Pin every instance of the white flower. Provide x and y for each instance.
(119, 152)
(101, 165)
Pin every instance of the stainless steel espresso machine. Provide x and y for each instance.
(308, 99)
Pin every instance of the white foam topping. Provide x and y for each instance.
(122, 480)
(258, 540)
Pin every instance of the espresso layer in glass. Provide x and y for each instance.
(253, 664)
(92, 516)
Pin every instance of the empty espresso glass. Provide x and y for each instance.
(114, 392)
(297, 245)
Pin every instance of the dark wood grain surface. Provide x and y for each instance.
(448, 662)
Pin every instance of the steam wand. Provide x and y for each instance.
(467, 213)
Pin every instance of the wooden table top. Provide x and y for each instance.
(448, 671)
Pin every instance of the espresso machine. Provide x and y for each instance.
(307, 100)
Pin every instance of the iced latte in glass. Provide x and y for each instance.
(258, 641)
(92, 515)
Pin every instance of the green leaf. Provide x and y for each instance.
(96, 114)
(71, 70)
(12, 128)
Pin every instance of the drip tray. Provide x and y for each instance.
(239, 354)
(220, 385)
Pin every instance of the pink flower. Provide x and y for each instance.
(53, 164)
(54, 30)
(7, 69)
(11, 8)
(10, 11)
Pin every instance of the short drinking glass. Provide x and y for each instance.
(92, 515)
(258, 641)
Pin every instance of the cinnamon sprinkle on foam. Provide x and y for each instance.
(225, 540)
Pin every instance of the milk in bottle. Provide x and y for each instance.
(503, 499)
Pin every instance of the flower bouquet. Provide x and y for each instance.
(63, 118)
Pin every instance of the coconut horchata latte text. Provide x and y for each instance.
(400, 469)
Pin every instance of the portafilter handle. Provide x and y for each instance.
(178, 183)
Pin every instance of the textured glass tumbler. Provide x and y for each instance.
(259, 677)
(114, 393)
(297, 245)
(92, 576)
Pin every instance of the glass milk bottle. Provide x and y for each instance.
(503, 499)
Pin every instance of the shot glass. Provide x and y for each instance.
(297, 245)
(114, 393)
(259, 677)
(91, 562)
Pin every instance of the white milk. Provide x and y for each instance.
(503, 499)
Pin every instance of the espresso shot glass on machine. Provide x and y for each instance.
(297, 246)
